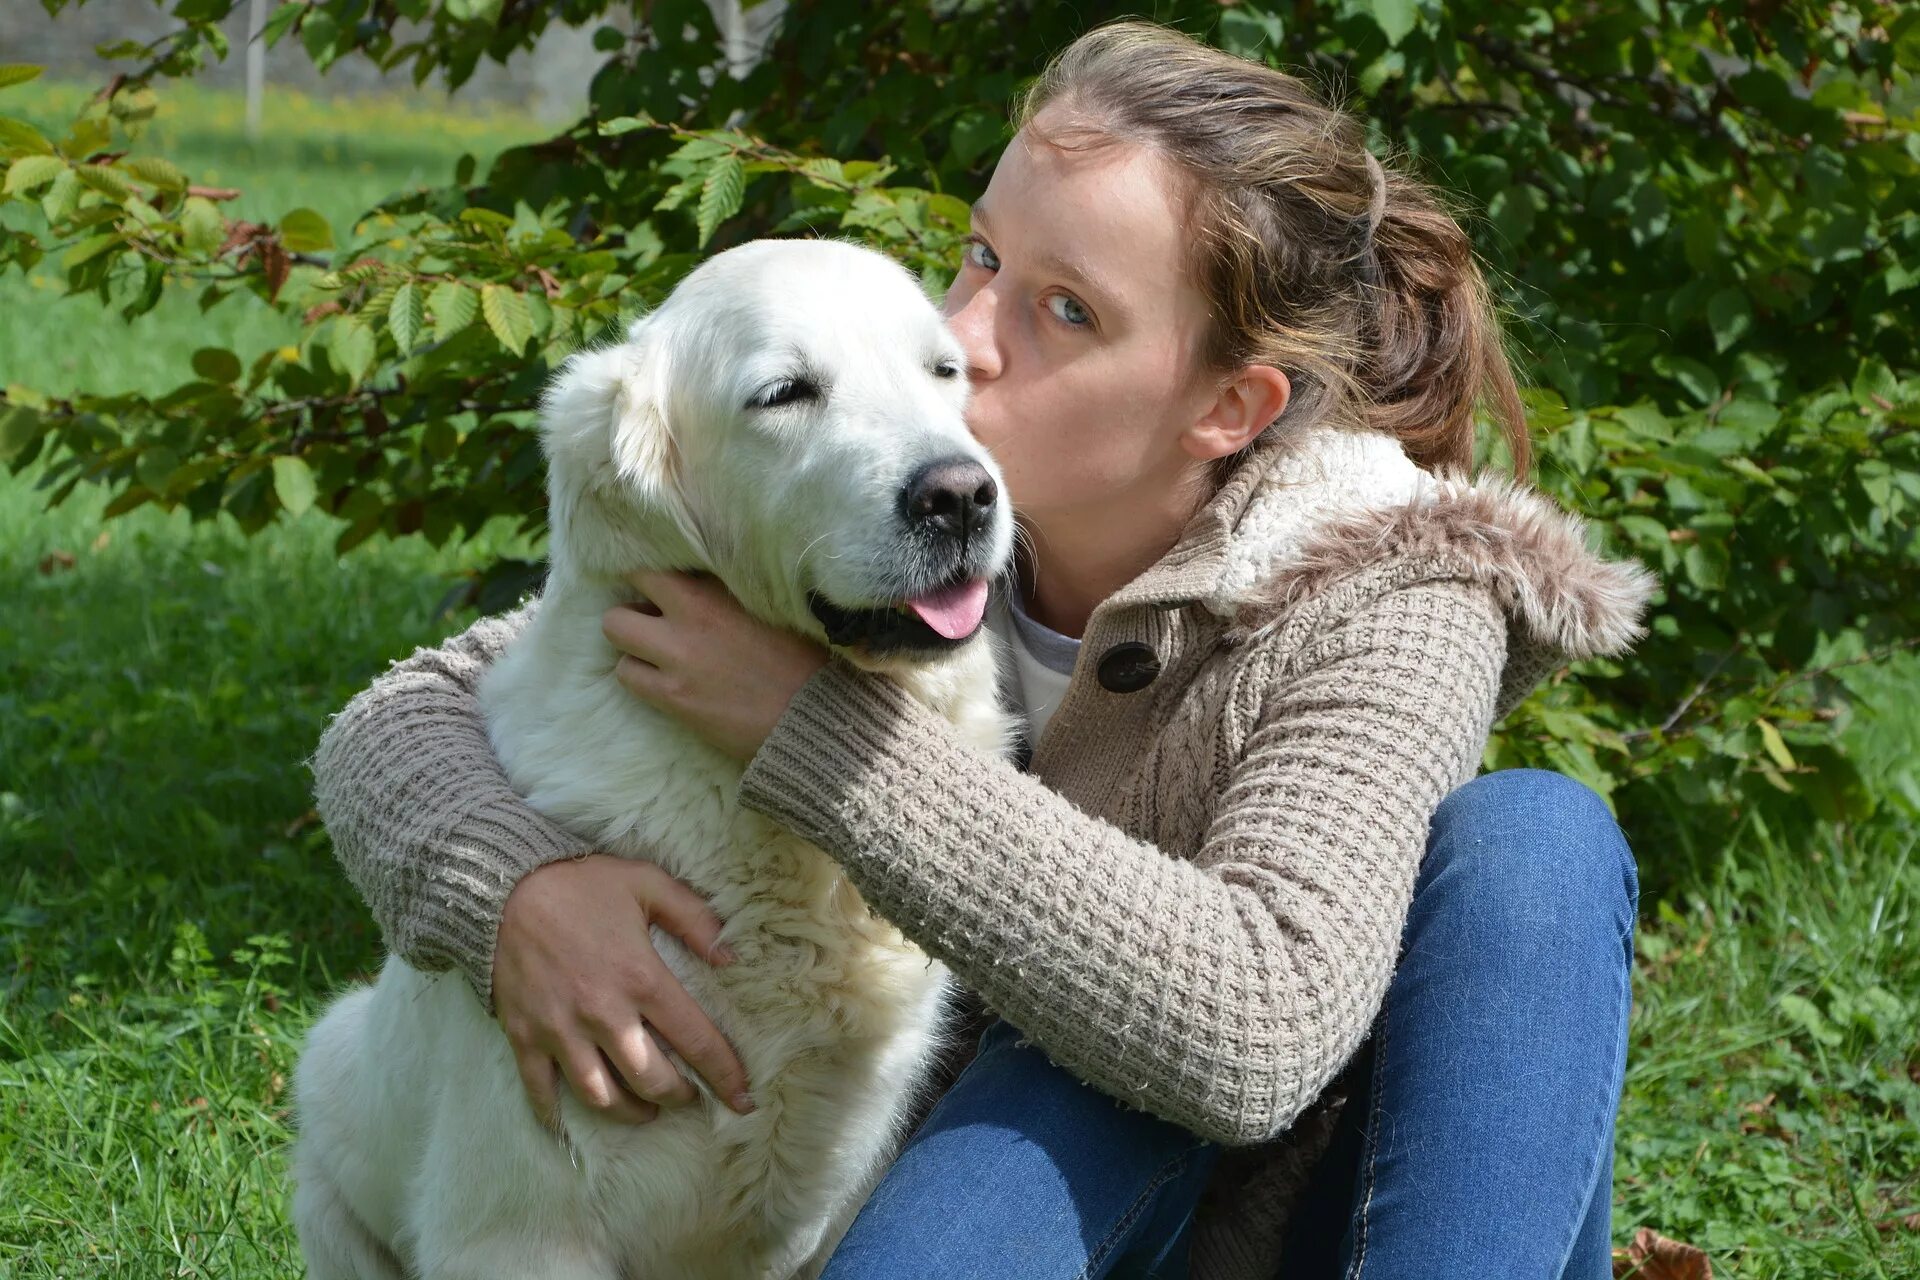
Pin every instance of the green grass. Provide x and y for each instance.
(171, 918)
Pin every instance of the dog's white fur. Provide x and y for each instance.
(417, 1151)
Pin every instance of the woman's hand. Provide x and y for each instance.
(689, 649)
(577, 983)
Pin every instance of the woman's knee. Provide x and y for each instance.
(1535, 850)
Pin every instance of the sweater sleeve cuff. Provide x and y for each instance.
(840, 729)
(487, 853)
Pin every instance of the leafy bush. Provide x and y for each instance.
(1703, 218)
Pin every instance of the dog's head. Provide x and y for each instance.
(790, 420)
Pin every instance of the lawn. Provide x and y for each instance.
(172, 919)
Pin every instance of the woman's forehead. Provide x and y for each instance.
(1108, 215)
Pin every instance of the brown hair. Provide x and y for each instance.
(1318, 258)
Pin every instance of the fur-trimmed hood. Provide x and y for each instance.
(1324, 505)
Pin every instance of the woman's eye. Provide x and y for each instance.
(981, 256)
(1069, 310)
(786, 391)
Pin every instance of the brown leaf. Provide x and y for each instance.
(100, 543)
(56, 561)
(274, 263)
(215, 193)
(1652, 1256)
(239, 233)
(321, 311)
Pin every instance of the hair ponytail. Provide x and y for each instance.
(1434, 355)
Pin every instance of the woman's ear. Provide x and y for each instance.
(1245, 405)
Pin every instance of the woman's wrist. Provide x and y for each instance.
(841, 726)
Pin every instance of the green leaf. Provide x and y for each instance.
(29, 172)
(305, 231)
(627, 124)
(62, 198)
(1249, 31)
(155, 172)
(216, 364)
(1874, 385)
(18, 73)
(974, 132)
(19, 428)
(453, 306)
(1395, 17)
(405, 315)
(202, 228)
(353, 347)
(90, 248)
(1694, 378)
(1806, 1014)
(156, 466)
(1706, 566)
(281, 20)
(721, 195)
(1730, 315)
(105, 181)
(1776, 745)
(18, 135)
(506, 313)
(293, 483)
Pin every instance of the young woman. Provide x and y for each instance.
(1229, 364)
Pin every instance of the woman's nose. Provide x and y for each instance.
(971, 320)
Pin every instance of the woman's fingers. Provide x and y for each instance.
(649, 1072)
(539, 1076)
(595, 1083)
(676, 908)
(679, 1020)
(638, 630)
(665, 1004)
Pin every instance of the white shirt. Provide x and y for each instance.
(1043, 659)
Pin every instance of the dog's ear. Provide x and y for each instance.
(613, 473)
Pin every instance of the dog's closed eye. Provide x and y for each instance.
(785, 391)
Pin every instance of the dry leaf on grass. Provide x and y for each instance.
(1652, 1256)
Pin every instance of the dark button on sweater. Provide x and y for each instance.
(1128, 667)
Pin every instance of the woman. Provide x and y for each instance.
(1223, 357)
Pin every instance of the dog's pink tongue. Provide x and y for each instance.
(953, 611)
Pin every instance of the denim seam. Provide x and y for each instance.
(1376, 1091)
(1624, 1005)
(1167, 1173)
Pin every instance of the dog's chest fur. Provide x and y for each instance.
(834, 1014)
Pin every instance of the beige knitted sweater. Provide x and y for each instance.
(1193, 899)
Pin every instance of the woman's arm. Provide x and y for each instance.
(421, 813)
(456, 868)
(1225, 993)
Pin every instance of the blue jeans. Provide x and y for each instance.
(1482, 1143)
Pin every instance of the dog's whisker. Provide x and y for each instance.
(797, 560)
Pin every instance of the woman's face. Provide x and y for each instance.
(1081, 326)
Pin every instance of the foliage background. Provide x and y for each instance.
(1703, 220)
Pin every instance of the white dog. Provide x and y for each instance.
(791, 421)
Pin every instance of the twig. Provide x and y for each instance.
(1739, 643)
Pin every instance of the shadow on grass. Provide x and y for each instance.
(160, 688)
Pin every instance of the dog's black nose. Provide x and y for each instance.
(955, 496)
